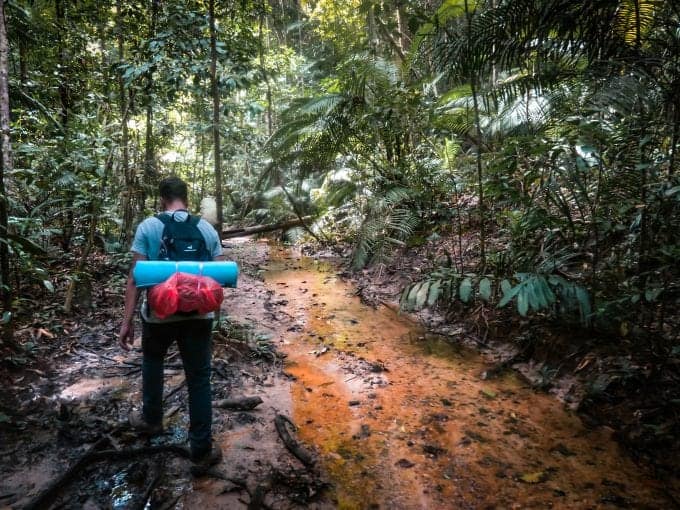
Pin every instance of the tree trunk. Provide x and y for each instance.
(128, 194)
(65, 100)
(480, 182)
(215, 89)
(5, 166)
(64, 91)
(266, 77)
(149, 148)
(402, 29)
(259, 229)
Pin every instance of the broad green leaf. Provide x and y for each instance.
(584, 304)
(452, 285)
(652, 294)
(413, 293)
(6, 317)
(27, 245)
(531, 291)
(506, 286)
(48, 285)
(433, 295)
(523, 301)
(405, 301)
(485, 289)
(509, 294)
(465, 290)
(421, 296)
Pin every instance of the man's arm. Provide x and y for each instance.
(126, 337)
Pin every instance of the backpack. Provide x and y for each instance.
(182, 240)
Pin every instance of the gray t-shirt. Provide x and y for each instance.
(147, 242)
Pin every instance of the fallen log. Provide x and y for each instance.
(239, 403)
(303, 455)
(258, 229)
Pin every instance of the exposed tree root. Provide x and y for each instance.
(293, 447)
(239, 403)
(42, 500)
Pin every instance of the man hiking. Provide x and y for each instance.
(174, 235)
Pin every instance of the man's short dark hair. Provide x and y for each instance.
(173, 188)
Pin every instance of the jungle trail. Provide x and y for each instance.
(321, 402)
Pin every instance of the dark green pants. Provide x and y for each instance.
(193, 338)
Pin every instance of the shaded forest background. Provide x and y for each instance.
(527, 147)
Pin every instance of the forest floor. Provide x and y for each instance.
(389, 415)
(67, 399)
(629, 384)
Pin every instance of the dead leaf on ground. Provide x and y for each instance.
(536, 477)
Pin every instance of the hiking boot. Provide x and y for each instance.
(140, 425)
(203, 463)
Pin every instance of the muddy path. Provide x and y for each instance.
(393, 417)
(403, 419)
(69, 408)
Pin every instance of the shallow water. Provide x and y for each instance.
(402, 419)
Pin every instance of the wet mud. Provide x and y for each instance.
(394, 417)
(403, 419)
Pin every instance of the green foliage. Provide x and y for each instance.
(388, 222)
(531, 292)
(361, 113)
(447, 285)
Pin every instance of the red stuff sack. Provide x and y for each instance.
(184, 292)
(164, 298)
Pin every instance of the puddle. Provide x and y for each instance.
(85, 387)
(402, 418)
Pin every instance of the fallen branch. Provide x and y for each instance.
(293, 447)
(48, 495)
(257, 497)
(239, 404)
(152, 485)
(174, 390)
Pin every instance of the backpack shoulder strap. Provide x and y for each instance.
(164, 218)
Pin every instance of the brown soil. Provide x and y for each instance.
(629, 385)
(393, 416)
(78, 387)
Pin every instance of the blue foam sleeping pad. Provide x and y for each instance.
(148, 273)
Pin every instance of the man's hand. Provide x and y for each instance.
(126, 337)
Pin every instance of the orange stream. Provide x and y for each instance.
(428, 432)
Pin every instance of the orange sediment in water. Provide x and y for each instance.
(401, 419)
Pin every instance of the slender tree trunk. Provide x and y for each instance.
(371, 29)
(102, 15)
(149, 148)
(64, 91)
(480, 181)
(674, 141)
(80, 277)
(265, 75)
(402, 29)
(65, 100)
(128, 195)
(215, 92)
(5, 167)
